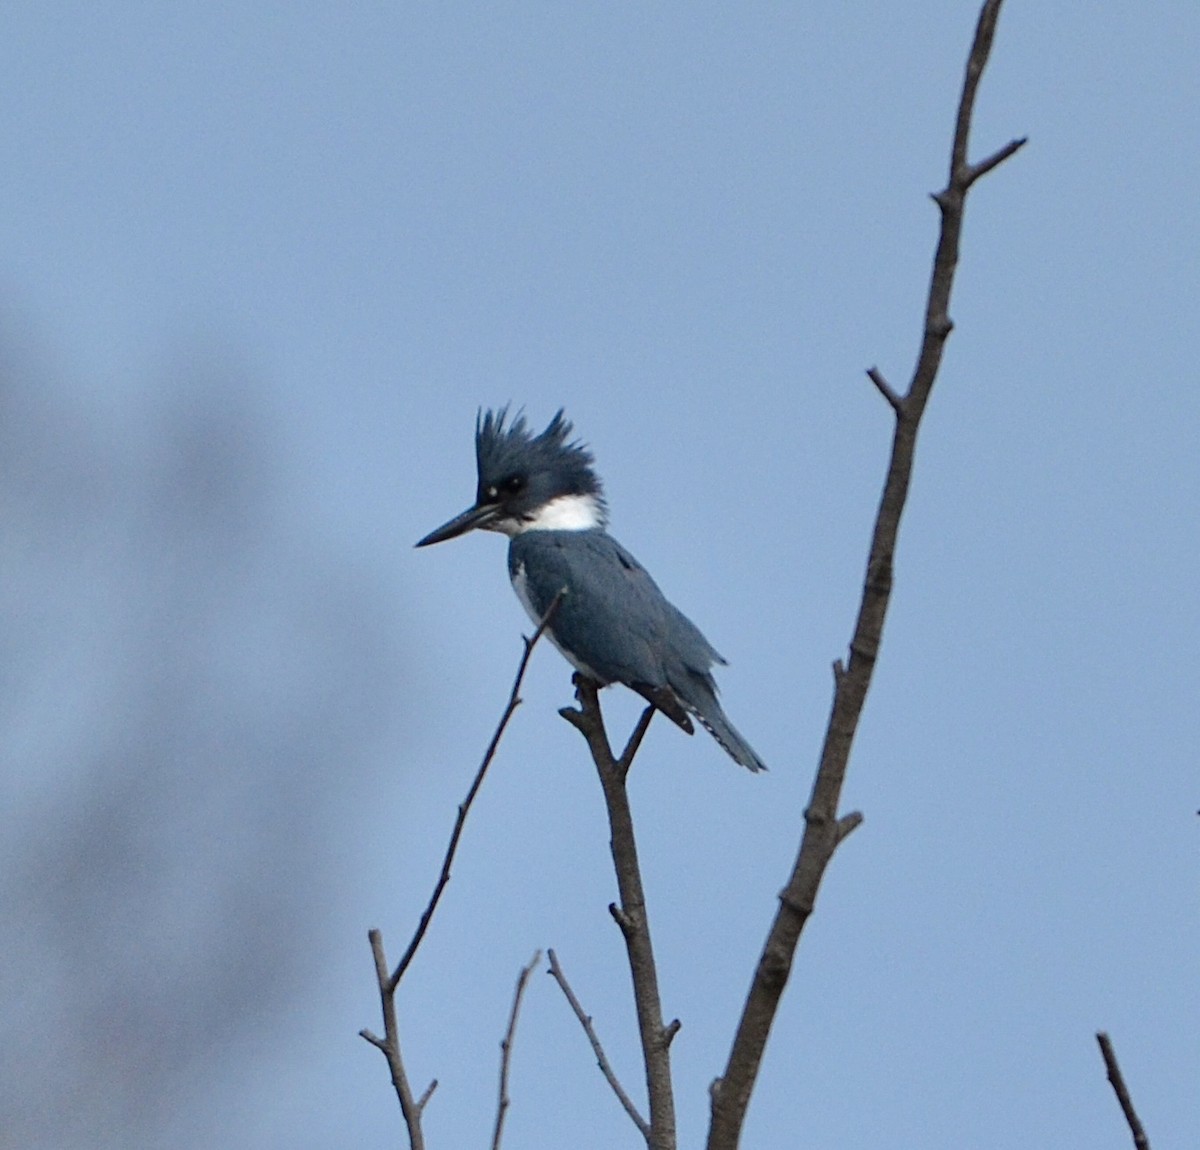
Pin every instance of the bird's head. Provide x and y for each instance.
(528, 482)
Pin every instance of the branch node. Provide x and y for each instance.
(671, 1029)
(941, 326)
(798, 907)
(621, 918)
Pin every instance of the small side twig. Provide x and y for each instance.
(506, 1045)
(1140, 1141)
(427, 1095)
(585, 1020)
(635, 741)
(886, 390)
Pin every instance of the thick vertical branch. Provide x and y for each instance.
(823, 829)
(630, 915)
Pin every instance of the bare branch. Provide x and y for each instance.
(410, 1109)
(995, 159)
(506, 1045)
(389, 1044)
(823, 830)
(424, 1099)
(631, 914)
(848, 824)
(464, 808)
(635, 740)
(885, 389)
(585, 1020)
(1140, 1141)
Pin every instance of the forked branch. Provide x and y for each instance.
(630, 915)
(823, 830)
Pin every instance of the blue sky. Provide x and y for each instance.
(259, 266)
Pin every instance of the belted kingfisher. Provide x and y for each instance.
(613, 624)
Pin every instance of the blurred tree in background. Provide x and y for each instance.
(181, 671)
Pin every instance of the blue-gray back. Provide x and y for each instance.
(613, 616)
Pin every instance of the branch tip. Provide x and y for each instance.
(1117, 1079)
(974, 171)
(848, 824)
(427, 1095)
(506, 1045)
(886, 390)
(585, 1020)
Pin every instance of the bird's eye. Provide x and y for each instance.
(514, 484)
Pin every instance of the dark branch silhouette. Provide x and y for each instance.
(1140, 1141)
(410, 1108)
(585, 1020)
(824, 831)
(464, 808)
(630, 915)
(506, 1045)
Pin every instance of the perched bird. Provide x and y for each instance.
(613, 624)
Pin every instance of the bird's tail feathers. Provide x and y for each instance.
(721, 729)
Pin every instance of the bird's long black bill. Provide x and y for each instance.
(470, 519)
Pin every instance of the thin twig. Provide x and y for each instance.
(506, 1046)
(886, 390)
(1140, 1141)
(427, 1095)
(585, 1020)
(635, 740)
(410, 1108)
(631, 914)
(464, 808)
(823, 830)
